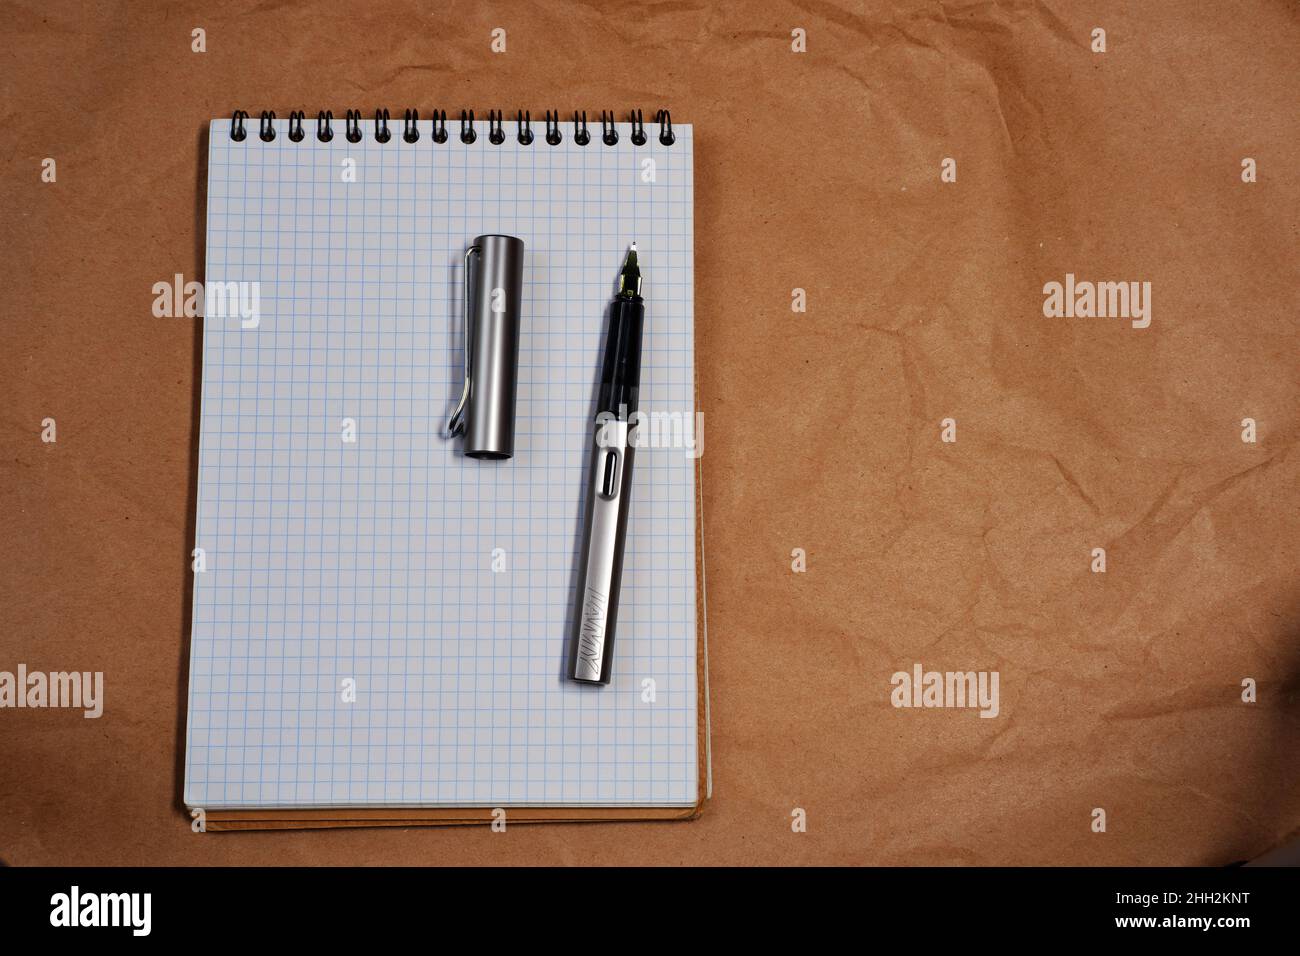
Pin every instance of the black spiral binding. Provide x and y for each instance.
(468, 135)
(665, 121)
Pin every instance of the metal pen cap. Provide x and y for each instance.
(494, 279)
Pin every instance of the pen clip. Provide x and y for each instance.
(456, 425)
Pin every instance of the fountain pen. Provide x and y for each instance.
(609, 484)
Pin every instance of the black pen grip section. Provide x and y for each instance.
(620, 377)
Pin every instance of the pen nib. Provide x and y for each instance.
(629, 280)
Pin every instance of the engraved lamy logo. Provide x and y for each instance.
(591, 636)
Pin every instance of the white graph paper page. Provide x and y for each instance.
(332, 564)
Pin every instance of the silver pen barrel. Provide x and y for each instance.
(591, 654)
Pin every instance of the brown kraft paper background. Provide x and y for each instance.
(818, 171)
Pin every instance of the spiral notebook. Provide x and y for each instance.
(380, 624)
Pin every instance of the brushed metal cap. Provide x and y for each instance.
(494, 278)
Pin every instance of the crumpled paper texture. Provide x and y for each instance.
(818, 171)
